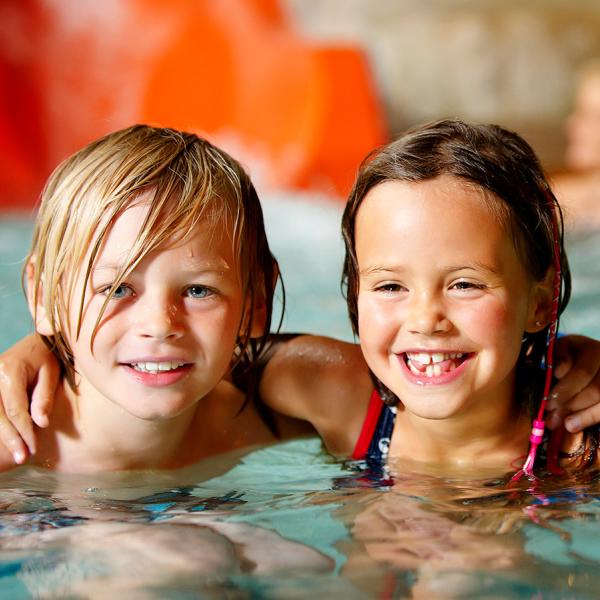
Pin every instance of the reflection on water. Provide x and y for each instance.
(288, 521)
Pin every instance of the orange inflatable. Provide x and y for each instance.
(299, 115)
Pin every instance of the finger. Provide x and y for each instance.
(583, 410)
(585, 399)
(11, 438)
(563, 361)
(15, 409)
(553, 419)
(42, 396)
(580, 376)
(584, 418)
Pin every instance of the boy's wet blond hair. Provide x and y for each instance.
(189, 181)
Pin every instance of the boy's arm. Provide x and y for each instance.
(326, 382)
(28, 365)
(576, 397)
(323, 381)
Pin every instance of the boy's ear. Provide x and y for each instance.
(259, 317)
(36, 304)
(540, 303)
(259, 313)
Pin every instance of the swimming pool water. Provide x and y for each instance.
(289, 521)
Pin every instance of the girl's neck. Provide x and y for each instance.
(493, 435)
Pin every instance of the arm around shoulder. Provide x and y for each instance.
(323, 381)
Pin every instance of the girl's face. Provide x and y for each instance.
(167, 336)
(443, 298)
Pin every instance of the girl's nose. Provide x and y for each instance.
(426, 315)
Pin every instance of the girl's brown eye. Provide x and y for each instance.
(468, 285)
(390, 287)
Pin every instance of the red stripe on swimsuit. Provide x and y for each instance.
(368, 428)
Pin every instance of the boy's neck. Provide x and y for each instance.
(89, 433)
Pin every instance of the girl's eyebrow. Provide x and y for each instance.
(393, 269)
(475, 266)
(376, 269)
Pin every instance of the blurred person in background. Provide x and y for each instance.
(578, 189)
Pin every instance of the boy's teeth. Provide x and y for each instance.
(156, 367)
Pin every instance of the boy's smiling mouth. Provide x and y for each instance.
(158, 373)
(433, 364)
(156, 367)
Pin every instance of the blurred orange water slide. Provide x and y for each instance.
(300, 114)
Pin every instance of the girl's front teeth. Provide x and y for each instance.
(156, 367)
(436, 357)
(434, 364)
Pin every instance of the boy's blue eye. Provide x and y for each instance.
(122, 291)
(198, 291)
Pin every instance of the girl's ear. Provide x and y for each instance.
(35, 301)
(540, 303)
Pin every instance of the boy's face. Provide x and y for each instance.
(168, 333)
(443, 298)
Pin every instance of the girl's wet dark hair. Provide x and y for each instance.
(497, 161)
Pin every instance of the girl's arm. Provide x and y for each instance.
(28, 370)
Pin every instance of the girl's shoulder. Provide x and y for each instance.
(7, 462)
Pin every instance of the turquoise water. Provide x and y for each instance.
(288, 521)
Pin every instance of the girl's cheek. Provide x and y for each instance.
(492, 319)
(377, 319)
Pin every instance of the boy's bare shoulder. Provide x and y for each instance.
(322, 380)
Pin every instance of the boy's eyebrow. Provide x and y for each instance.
(190, 263)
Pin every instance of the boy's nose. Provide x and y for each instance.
(158, 318)
(426, 315)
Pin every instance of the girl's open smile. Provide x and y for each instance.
(434, 368)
